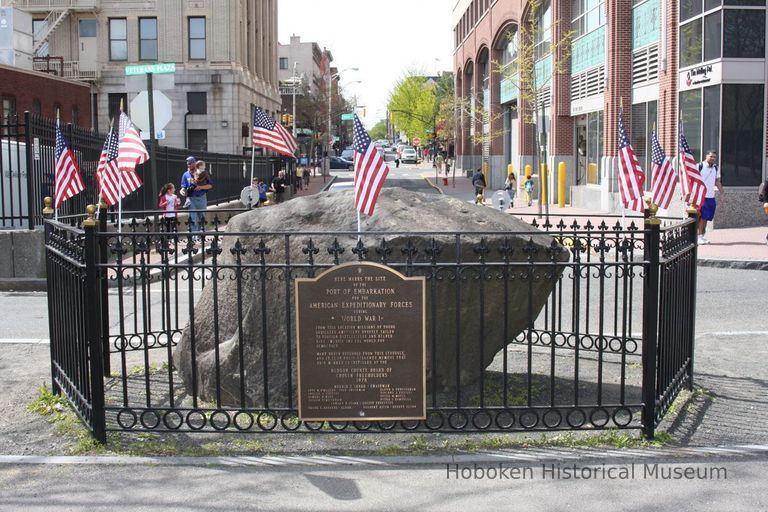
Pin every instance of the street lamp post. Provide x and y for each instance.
(331, 78)
(293, 88)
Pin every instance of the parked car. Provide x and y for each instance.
(348, 154)
(342, 185)
(338, 162)
(389, 154)
(409, 155)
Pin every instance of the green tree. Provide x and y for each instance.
(424, 108)
(379, 130)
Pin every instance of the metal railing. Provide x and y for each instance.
(64, 68)
(47, 5)
(592, 330)
(27, 170)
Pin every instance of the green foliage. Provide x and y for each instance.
(412, 104)
(379, 131)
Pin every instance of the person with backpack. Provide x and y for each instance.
(478, 181)
(710, 175)
(762, 196)
(528, 187)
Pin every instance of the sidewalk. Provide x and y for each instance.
(728, 248)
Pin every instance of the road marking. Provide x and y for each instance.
(733, 333)
(25, 341)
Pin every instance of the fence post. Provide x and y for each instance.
(104, 287)
(30, 167)
(47, 215)
(93, 327)
(650, 320)
(693, 213)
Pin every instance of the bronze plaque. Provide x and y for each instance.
(361, 341)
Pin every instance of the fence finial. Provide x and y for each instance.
(90, 221)
(652, 209)
(47, 203)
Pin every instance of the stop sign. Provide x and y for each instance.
(416, 141)
(140, 110)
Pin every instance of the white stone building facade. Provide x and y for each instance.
(225, 53)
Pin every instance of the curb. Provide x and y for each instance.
(328, 185)
(527, 456)
(433, 185)
(733, 264)
(23, 284)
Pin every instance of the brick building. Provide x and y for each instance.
(705, 59)
(225, 54)
(43, 94)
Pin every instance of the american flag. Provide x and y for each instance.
(131, 150)
(370, 169)
(691, 183)
(631, 176)
(108, 175)
(268, 133)
(67, 179)
(663, 175)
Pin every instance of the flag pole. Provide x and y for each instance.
(100, 197)
(119, 184)
(623, 208)
(253, 160)
(55, 207)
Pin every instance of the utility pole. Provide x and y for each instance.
(293, 118)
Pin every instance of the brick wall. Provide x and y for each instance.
(28, 86)
(619, 71)
(562, 122)
(668, 78)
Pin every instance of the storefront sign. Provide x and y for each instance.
(700, 76)
(361, 340)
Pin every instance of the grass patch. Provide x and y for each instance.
(57, 410)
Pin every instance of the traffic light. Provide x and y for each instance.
(290, 119)
(284, 118)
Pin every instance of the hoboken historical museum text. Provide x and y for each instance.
(559, 471)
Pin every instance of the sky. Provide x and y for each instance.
(382, 39)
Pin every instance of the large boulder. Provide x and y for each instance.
(250, 308)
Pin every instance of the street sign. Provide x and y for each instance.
(140, 110)
(347, 117)
(159, 135)
(416, 141)
(143, 69)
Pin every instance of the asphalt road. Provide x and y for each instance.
(730, 363)
(729, 485)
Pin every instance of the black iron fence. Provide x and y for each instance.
(591, 327)
(27, 168)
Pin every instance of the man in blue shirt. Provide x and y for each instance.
(196, 193)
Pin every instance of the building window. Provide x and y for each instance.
(118, 39)
(197, 103)
(197, 38)
(283, 62)
(586, 16)
(594, 146)
(544, 32)
(75, 115)
(113, 104)
(744, 33)
(147, 38)
(741, 158)
(710, 31)
(643, 122)
(198, 140)
(9, 109)
(690, 43)
(37, 107)
(38, 29)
